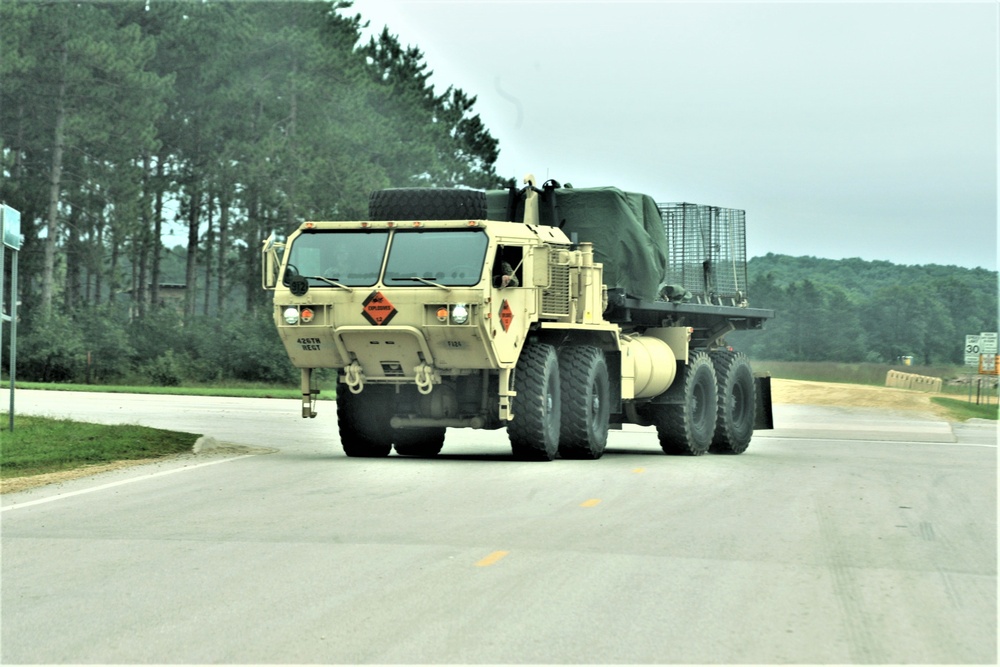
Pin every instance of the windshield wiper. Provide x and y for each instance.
(331, 281)
(426, 281)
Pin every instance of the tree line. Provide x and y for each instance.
(231, 119)
(854, 310)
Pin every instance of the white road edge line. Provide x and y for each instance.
(880, 442)
(102, 487)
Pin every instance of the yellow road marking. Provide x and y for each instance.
(492, 558)
(590, 503)
(638, 470)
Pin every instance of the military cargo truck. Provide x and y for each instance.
(556, 313)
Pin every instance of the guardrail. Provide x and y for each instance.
(911, 381)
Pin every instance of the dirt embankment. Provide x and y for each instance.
(804, 392)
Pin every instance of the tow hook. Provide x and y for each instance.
(309, 404)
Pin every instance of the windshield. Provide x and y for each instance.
(453, 258)
(351, 258)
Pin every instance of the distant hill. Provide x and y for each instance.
(858, 310)
(860, 277)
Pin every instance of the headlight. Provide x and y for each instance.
(459, 314)
(291, 315)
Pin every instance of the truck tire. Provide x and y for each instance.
(688, 428)
(422, 442)
(586, 402)
(534, 430)
(363, 422)
(427, 204)
(736, 402)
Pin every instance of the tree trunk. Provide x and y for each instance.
(140, 283)
(154, 277)
(209, 254)
(55, 181)
(113, 270)
(223, 241)
(73, 252)
(191, 274)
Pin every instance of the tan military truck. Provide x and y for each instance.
(553, 312)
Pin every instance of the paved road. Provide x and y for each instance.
(844, 536)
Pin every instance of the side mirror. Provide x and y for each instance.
(270, 262)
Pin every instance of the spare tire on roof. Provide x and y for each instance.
(427, 204)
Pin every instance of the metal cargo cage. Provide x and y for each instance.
(708, 251)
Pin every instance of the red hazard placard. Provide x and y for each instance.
(506, 315)
(377, 309)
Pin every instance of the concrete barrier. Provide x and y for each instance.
(910, 381)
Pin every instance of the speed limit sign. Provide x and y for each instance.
(972, 350)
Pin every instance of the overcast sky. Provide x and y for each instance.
(844, 129)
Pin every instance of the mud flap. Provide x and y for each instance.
(763, 417)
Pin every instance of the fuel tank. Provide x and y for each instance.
(653, 365)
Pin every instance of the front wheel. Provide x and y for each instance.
(534, 430)
(364, 427)
(586, 403)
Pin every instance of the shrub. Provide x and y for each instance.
(50, 348)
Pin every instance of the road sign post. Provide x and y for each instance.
(10, 233)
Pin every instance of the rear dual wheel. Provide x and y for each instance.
(421, 442)
(688, 426)
(737, 402)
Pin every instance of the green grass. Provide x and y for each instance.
(237, 391)
(962, 409)
(40, 445)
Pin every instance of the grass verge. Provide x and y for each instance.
(962, 410)
(236, 392)
(41, 445)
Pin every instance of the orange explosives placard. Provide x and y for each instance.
(506, 315)
(377, 309)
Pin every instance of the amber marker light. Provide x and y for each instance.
(307, 314)
(442, 314)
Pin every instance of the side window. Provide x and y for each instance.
(508, 266)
